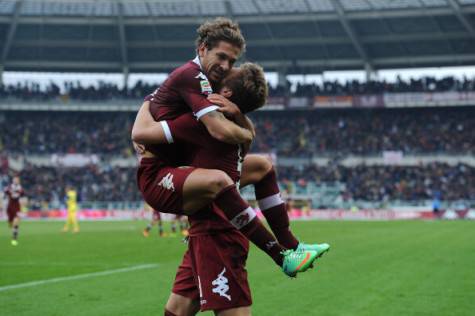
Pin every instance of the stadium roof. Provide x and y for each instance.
(298, 36)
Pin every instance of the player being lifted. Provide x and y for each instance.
(14, 192)
(72, 207)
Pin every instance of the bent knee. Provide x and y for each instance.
(217, 181)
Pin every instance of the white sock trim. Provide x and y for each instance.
(243, 218)
(270, 201)
(166, 130)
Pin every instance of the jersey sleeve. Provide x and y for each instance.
(194, 88)
(186, 129)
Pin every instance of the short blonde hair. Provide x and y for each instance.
(249, 87)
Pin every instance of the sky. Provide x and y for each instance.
(87, 79)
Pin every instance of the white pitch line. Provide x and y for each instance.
(77, 277)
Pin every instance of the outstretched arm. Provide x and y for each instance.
(146, 130)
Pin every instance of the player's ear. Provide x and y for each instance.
(201, 50)
(226, 92)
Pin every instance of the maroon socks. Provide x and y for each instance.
(274, 210)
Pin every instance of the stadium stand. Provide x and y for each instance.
(110, 91)
(312, 133)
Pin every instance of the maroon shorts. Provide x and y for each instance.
(12, 211)
(213, 271)
(162, 186)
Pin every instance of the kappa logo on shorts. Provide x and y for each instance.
(167, 182)
(221, 285)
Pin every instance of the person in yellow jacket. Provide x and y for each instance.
(72, 206)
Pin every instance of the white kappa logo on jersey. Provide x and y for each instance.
(167, 182)
(221, 285)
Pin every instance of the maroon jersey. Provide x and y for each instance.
(14, 193)
(185, 91)
(208, 153)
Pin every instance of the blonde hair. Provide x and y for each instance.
(249, 87)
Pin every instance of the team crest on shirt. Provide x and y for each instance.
(204, 84)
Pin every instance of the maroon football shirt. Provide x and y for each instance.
(185, 90)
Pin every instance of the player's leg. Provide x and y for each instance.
(238, 311)
(148, 228)
(258, 170)
(183, 225)
(173, 225)
(178, 305)
(243, 217)
(68, 222)
(160, 228)
(184, 298)
(74, 222)
(204, 186)
(15, 230)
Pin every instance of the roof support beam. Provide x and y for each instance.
(353, 37)
(123, 42)
(458, 13)
(9, 39)
(164, 20)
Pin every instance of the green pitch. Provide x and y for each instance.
(373, 268)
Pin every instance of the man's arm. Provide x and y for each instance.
(224, 130)
(146, 130)
(231, 110)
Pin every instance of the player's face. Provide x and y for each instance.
(16, 180)
(218, 61)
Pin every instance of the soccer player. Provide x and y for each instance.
(182, 223)
(14, 192)
(156, 220)
(211, 234)
(72, 206)
(167, 185)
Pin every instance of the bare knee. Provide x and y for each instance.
(217, 181)
(181, 306)
(263, 164)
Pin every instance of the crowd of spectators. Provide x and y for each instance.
(75, 91)
(46, 185)
(102, 91)
(386, 183)
(355, 87)
(362, 132)
(295, 134)
(65, 132)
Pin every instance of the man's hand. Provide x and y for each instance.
(228, 108)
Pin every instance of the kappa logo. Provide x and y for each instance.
(167, 182)
(221, 285)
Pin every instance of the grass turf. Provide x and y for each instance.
(374, 268)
